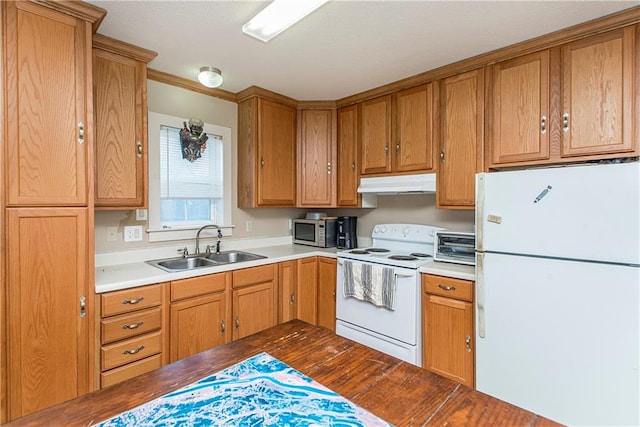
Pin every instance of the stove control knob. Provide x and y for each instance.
(383, 229)
(405, 231)
(376, 230)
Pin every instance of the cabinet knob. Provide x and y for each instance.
(222, 327)
(139, 149)
(329, 168)
(565, 122)
(132, 301)
(292, 298)
(442, 156)
(134, 351)
(261, 163)
(398, 148)
(386, 149)
(80, 133)
(353, 166)
(237, 322)
(133, 325)
(83, 307)
(467, 342)
(543, 125)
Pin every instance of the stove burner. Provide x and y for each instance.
(420, 255)
(403, 257)
(372, 250)
(359, 252)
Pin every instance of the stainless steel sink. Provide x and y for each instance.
(228, 257)
(181, 264)
(201, 261)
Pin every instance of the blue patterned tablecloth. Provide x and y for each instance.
(259, 391)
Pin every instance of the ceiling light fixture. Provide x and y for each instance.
(210, 77)
(278, 16)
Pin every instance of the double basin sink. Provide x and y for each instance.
(200, 261)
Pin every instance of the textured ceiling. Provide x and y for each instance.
(343, 48)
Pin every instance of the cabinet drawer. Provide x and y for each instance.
(130, 370)
(253, 275)
(127, 300)
(448, 287)
(123, 352)
(187, 288)
(130, 325)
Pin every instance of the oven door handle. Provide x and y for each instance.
(398, 273)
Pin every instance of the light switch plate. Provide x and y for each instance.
(141, 214)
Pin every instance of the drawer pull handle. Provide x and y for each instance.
(467, 343)
(134, 351)
(139, 149)
(447, 288)
(133, 325)
(222, 327)
(132, 301)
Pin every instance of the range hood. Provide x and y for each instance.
(424, 183)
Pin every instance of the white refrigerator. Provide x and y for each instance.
(558, 291)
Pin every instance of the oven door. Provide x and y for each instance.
(401, 324)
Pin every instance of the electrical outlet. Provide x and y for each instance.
(248, 226)
(112, 234)
(133, 233)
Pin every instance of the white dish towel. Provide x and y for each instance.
(371, 283)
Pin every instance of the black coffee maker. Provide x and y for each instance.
(347, 238)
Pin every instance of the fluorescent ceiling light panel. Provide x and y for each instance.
(278, 16)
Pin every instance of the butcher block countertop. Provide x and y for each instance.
(396, 391)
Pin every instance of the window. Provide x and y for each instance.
(185, 195)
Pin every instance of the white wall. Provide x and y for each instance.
(266, 222)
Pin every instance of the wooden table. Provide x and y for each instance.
(399, 392)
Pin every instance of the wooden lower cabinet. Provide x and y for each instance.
(199, 314)
(287, 291)
(48, 332)
(255, 303)
(448, 328)
(327, 293)
(307, 290)
(132, 332)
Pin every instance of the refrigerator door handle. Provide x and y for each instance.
(480, 192)
(480, 308)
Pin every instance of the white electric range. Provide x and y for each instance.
(403, 248)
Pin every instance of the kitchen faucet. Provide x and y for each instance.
(198, 237)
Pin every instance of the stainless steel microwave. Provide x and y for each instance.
(315, 232)
(455, 247)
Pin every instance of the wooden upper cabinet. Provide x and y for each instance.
(375, 135)
(120, 97)
(347, 170)
(317, 158)
(461, 144)
(413, 149)
(266, 153)
(519, 119)
(598, 91)
(48, 93)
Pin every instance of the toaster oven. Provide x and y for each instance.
(456, 247)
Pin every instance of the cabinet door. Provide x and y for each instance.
(47, 282)
(277, 154)
(308, 289)
(413, 150)
(254, 309)
(348, 157)
(598, 94)
(48, 130)
(519, 122)
(197, 324)
(448, 338)
(288, 302)
(317, 158)
(121, 135)
(462, 106)
(327, 293)
(375, 135)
